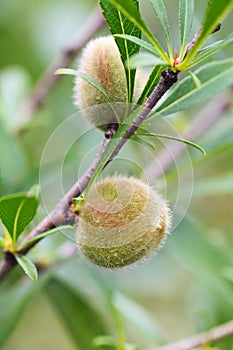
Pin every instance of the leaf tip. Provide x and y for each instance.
(65, 71)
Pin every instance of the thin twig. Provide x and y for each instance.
(196, 37)
(193, 41)
(204, 338)
(48, 80)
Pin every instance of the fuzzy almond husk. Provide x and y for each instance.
(101, 60)
(122, 221)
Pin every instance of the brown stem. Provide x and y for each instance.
(196, 36)
(7, 264)
(193, 41)
(48, 80)
(204, 338)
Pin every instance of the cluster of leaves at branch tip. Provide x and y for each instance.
(101, 61)
(122, 221)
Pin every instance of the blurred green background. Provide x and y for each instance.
(188, 286)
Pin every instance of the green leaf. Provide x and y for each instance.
(195, 79)
(144, 140)
(132, 13)
(140, 42)
(66, 71)
(150, 134)
(211, 49)
(34, 191)
(152, 81)
(186, 11)
(119, 24)
(43, 235)
(96, 84)
(82, 321)
(17, 211)
(215, 13)
(145, 60)
(214, 77)
(88, 78)
(28, 266)
(160, 11)
(104, 340)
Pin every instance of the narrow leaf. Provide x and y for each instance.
(195, 79)
(144, 140)
(17, 211)
(96, 84)
(214, 77)
(160, 11)
(66, 71)
(45, 234)
(212, 49)
(88, 78)
(150, 134)
(144, 126)
(28, 266)
(104, 340)
(34, 191)
(119, 24)
(152, 81)
(145, 60)
(186, 11)
(215, 13)
(140, 42)
(81, 320)
(132, 13)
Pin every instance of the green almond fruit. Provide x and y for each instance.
(101, 60)
(121, 222)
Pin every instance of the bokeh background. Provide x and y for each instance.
(188, 286)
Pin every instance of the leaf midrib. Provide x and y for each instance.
(17, 219)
